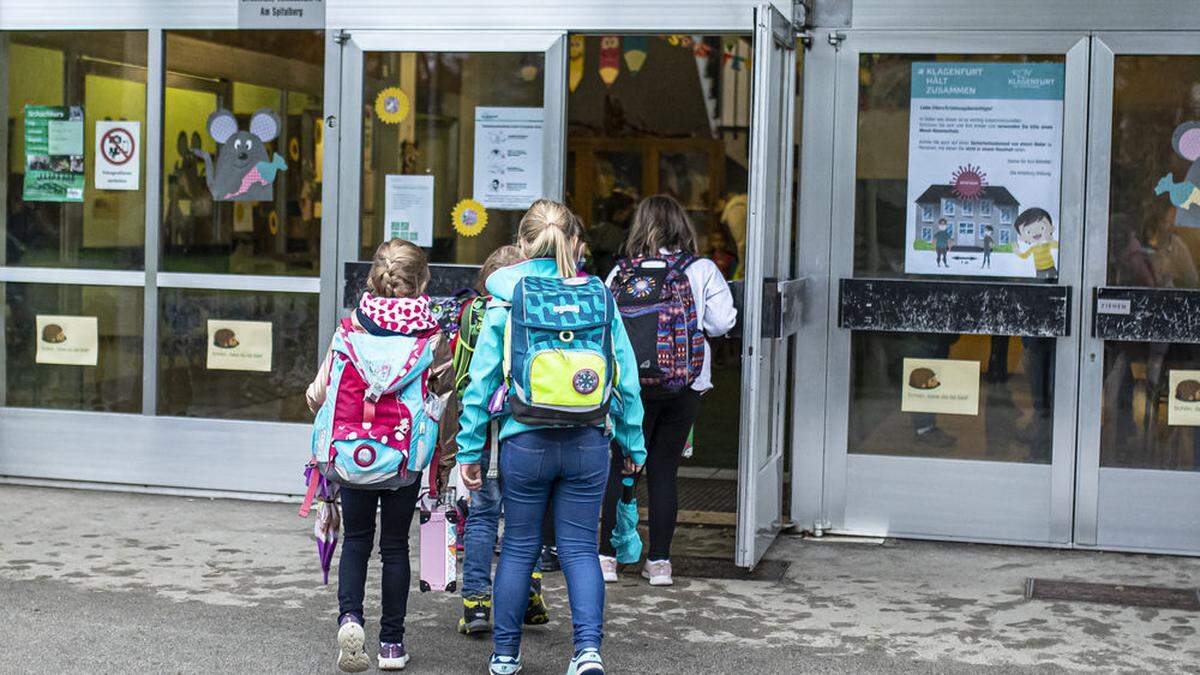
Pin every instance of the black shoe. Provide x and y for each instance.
(936, 438)
(536, 613)
(477, 615)
(550, 559)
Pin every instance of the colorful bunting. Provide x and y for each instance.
(635, 53)
(575, 62)
(610, 59)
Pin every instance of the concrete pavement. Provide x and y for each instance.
(109, 582)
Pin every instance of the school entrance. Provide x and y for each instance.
(478, 124)
(1007, 334)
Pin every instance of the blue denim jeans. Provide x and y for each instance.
(479, 536)
(568, 469)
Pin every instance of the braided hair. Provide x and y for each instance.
(399, 269)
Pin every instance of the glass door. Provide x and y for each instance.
(764, 357)
(1139, 445)
(957, 252)
(447, 138)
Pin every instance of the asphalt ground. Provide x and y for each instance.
(96, 582)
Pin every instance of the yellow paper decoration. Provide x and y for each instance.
(391, 105)
(469, 217)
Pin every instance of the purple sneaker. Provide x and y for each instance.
(352, 658)
(392, 656)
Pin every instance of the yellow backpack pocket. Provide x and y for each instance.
(563, 378)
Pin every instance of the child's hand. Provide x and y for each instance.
(471, 476)
(630, 467)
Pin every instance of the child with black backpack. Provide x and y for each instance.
(550, 364)
(479, 538)
(671, 300)
(385, 409)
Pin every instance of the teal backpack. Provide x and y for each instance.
(558, 352)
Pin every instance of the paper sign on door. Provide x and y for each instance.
(1185, 398)
(67, 340)
(941, 386)
(239, 345)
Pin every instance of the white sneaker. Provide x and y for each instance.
(352, 658)
(608, 566)
(658, 572)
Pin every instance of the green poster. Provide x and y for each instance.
(53, 153)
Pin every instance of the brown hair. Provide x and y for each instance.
(660, 222)
(398, 270)
(549, 230)
(501, 257)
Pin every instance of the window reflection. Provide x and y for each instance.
(1016, 396)
(112, 384)
(1150, 244)
(433, 134)
(193, 383)
(261, 212)
(104, 73)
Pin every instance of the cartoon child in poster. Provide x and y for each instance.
(942, 242)
(1035, 230)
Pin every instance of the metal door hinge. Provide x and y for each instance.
(836, 38)
(342, 37)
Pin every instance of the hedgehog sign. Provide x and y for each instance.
(984, 169)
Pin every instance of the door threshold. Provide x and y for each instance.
(845, 539)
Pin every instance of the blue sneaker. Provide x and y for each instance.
(504, 665)
(586, 662)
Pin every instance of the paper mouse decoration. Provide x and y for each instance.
(1184, 195)
(243, 171)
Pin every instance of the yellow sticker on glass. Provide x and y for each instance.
(945, 386)
(469, 217)
(391, 105)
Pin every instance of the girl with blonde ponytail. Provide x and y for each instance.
(545, 459)
(550, 230)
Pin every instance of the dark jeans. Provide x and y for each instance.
(665, 427)
(567, 467)
(358, 536)
(941, 256)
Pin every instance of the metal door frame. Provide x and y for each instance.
(760, 484)
(1045, 489)
(1113, 522)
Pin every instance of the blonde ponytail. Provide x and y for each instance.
(549, 230)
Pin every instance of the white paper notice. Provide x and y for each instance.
(508, 157)
(118, 166)
(408, 209)
(67, 340)
(239, 345)
(984, 169)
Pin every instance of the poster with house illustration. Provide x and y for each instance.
(984, 169)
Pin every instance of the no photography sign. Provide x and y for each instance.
(117, 163)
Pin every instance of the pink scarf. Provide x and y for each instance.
(399, 315)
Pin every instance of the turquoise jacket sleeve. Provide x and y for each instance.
(627, 417)
(486, 373)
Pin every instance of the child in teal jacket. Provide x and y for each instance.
(566, 466)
